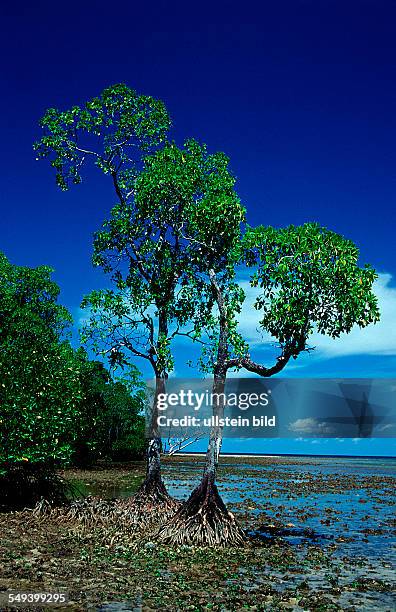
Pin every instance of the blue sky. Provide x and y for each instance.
(300, 94)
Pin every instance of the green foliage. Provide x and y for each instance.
(54, 402)
(40, 387)
(110, 415)
(177, 215)
(184, 217)
(132, 444)
(310, 281)
(111, 129)
(218, 330)
(207, 219)
(192, 193)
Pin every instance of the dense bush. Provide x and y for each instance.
(56, 406)
(110, 425)
(40, 388)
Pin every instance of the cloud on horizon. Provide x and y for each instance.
(310, 426)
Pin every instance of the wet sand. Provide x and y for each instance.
(322, 536)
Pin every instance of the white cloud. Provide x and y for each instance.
(249, 317)
(378, 339)
(311, 426)
(82, 316)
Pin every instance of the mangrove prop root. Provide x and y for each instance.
(152, 498)
(203, 520)
(141, 514)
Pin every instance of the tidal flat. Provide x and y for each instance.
(321, 536)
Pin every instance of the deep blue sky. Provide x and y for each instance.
(300, 94)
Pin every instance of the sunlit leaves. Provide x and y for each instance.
(112, 130)
(183, 219)
(310, 281)
(40, 388)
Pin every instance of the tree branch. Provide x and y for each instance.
(251, 366)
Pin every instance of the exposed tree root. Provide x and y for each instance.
(203, 520)
(128, 519)
(151, 503)
(107, 521)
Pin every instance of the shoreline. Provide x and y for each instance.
(320, 538)
(283, 455)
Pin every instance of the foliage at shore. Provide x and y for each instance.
(56, 406)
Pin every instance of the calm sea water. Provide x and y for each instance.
(347, 497)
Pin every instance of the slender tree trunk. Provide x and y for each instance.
(152, 497)
(216, 433)
(153, 455)
(204, 519)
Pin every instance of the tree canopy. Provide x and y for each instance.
(184, 217)
(111, 130)
(40, 387)
(309, 279)
(110, 422)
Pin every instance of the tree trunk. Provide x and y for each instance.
(204, 519)
(152, 497)
(216, 434)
